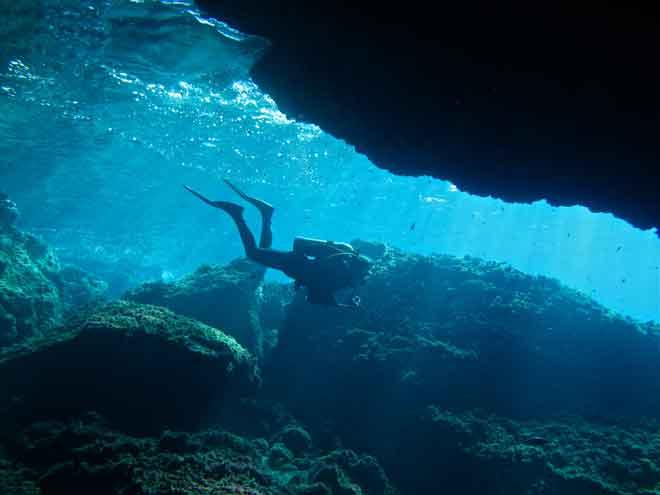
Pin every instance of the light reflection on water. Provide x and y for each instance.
(99, 135)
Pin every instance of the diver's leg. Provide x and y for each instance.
(280, 260)
(266, 237)
(266, 210)
(236, 213)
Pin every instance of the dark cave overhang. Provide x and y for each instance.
(508, 101)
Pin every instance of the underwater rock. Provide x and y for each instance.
(142, 367)
(79, 288)
(90, 457)
(460, 333)
(273, 300)
(341, 469)
(279, 455)
(422, 106)
(223, 297)
(470, 333)
(15, 479)
(36, 292)
(30, 302)
(566, 455)
(295, 438)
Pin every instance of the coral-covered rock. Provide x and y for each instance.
(344, 472)
(469, 333)
(223, 297)
(30, 302)
(88, 456)
(143, 367)
(566, 455)
(36, 292)
(15, 479)
(463, 334)
(295, 438)
(78, 288)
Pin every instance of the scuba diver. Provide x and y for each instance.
(323, 267)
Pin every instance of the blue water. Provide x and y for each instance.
(108, 108)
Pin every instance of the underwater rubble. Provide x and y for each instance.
(85, 455)
(36, 291)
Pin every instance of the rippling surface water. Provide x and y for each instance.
(107, 108)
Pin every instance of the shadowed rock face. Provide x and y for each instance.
(501, 99)
(459, 334)
(470, 333)
(223, 297)
(230, 298)
(566, 455)
(141, 366)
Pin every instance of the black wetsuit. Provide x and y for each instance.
(323, 267)
(322, 274)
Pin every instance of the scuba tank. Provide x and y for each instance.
(318, 248)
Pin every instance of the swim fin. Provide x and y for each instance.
(266, 209)
(231, 208)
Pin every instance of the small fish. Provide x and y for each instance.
(619, 249)
(412, 226)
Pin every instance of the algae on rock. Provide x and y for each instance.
(144, 367)
(462, 334)
(223, 297)
(85, 454)
(566, 454)
(229, 298)
(36, 292)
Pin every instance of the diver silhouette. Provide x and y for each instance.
(323, 267)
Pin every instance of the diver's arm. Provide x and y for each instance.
(332, 302)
